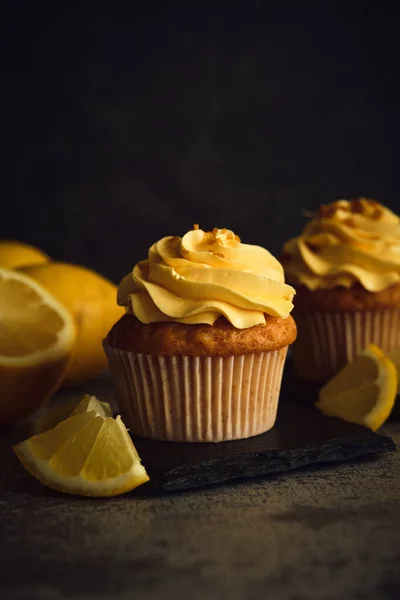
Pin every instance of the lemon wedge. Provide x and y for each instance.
(86, 454)
(394, 356)
(363, 392)
(51, 417)
(88, 403)
(37, 335)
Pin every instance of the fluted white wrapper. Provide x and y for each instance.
(197, 399)
(327, 341)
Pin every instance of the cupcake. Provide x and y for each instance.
(199, 354)
(345, 267)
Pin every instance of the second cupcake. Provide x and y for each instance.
(345, 266)
(199, 355)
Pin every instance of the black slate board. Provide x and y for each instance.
(301, 437)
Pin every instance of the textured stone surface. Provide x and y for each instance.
(322, 533)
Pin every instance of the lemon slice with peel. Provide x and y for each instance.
(51, 417)
(363, 392)
(87, 454)
(37, 335)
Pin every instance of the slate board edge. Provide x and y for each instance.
(221, 470)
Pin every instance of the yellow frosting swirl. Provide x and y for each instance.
(205, 275)
(346, 243)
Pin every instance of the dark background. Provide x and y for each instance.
(127, 124)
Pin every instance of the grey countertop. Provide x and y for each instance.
(330, 533)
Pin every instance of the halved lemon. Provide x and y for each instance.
(37, 335)
(87, 454)
(363, 392)
(51, 417)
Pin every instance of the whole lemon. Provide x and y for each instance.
(92, 301)
(18, 254)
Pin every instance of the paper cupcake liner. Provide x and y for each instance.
(197, 399)
(327, 341)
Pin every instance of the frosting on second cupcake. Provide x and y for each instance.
(346, 243)
(203, 276)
